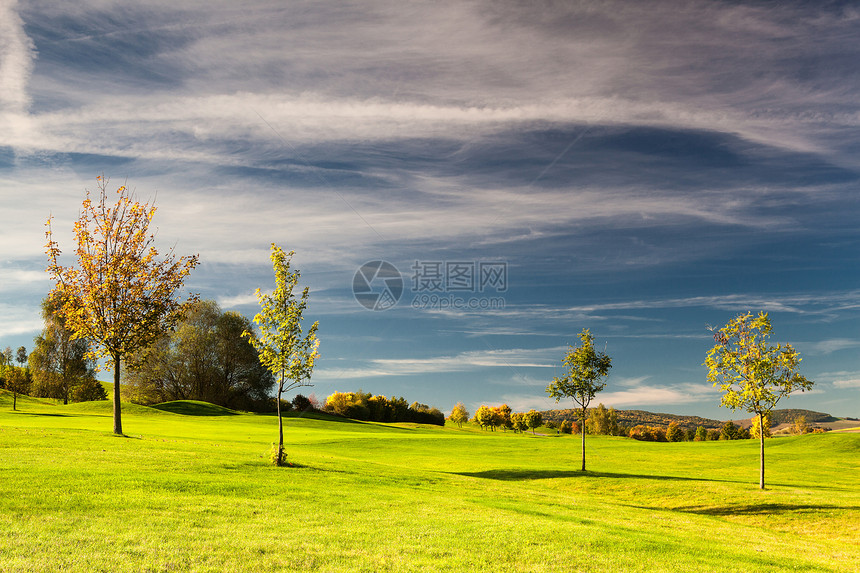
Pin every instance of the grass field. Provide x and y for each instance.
(190, 489)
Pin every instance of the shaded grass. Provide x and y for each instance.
(194, 493)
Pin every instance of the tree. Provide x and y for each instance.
(5, 358)
(701, 434)
(59, 362)
(751, 373)
(283, 346)
(17, 379)
(730, 431)
(483, 416)
(566, 427)
(504, 412)
(758, 426)
(122, 297)
(800, 426)
(533, 419)
(585, 369)
(459, 415)
(674, 433)
(206, 358)
(519, 423)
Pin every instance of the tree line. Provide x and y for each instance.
(367, 407)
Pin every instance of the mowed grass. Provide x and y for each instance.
(190, 489)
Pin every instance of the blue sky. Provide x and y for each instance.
(640, 170)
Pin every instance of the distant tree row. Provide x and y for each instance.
(59, 366)
(365, 406)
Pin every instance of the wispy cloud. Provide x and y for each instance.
(464, 361)
(16, 64)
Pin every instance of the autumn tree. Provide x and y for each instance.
(533, 419)
(459, 415)
(284, 348)
(751, 373)
(758, 426)
(586, 367)
(674, 433)
(504, 412)
(800, 426)
(519, 423)
(122, 296)
(701, 434)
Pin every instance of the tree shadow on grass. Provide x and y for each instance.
(765, 508)
(527, 474)
(42, 414)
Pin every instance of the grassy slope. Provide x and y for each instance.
(193, 492)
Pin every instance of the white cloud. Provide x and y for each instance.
(464, 361)
(16, 61)
(833, 345)
(647, 395)
(839, 379)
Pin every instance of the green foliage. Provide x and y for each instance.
(277, 455)
(60, 363)
(751, 373)
(89, 390)
(701, 434)
(204, 358)
(302, 403)
(602, 421)
(730, 431)
(518, 422)
(533, 419)
(586, 369)
(283, 347)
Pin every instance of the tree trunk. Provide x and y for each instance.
(582, 430)
(117, 413)
(14, 400)
(280, 461)
(761, 451)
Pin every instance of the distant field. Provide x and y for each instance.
(190, 489)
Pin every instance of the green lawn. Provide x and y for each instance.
(190, 489)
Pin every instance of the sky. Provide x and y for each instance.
(466, 185)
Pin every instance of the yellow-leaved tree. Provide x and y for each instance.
(121, 296)
(282, 345)
(751, 373)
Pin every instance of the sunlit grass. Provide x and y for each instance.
(191, 492)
